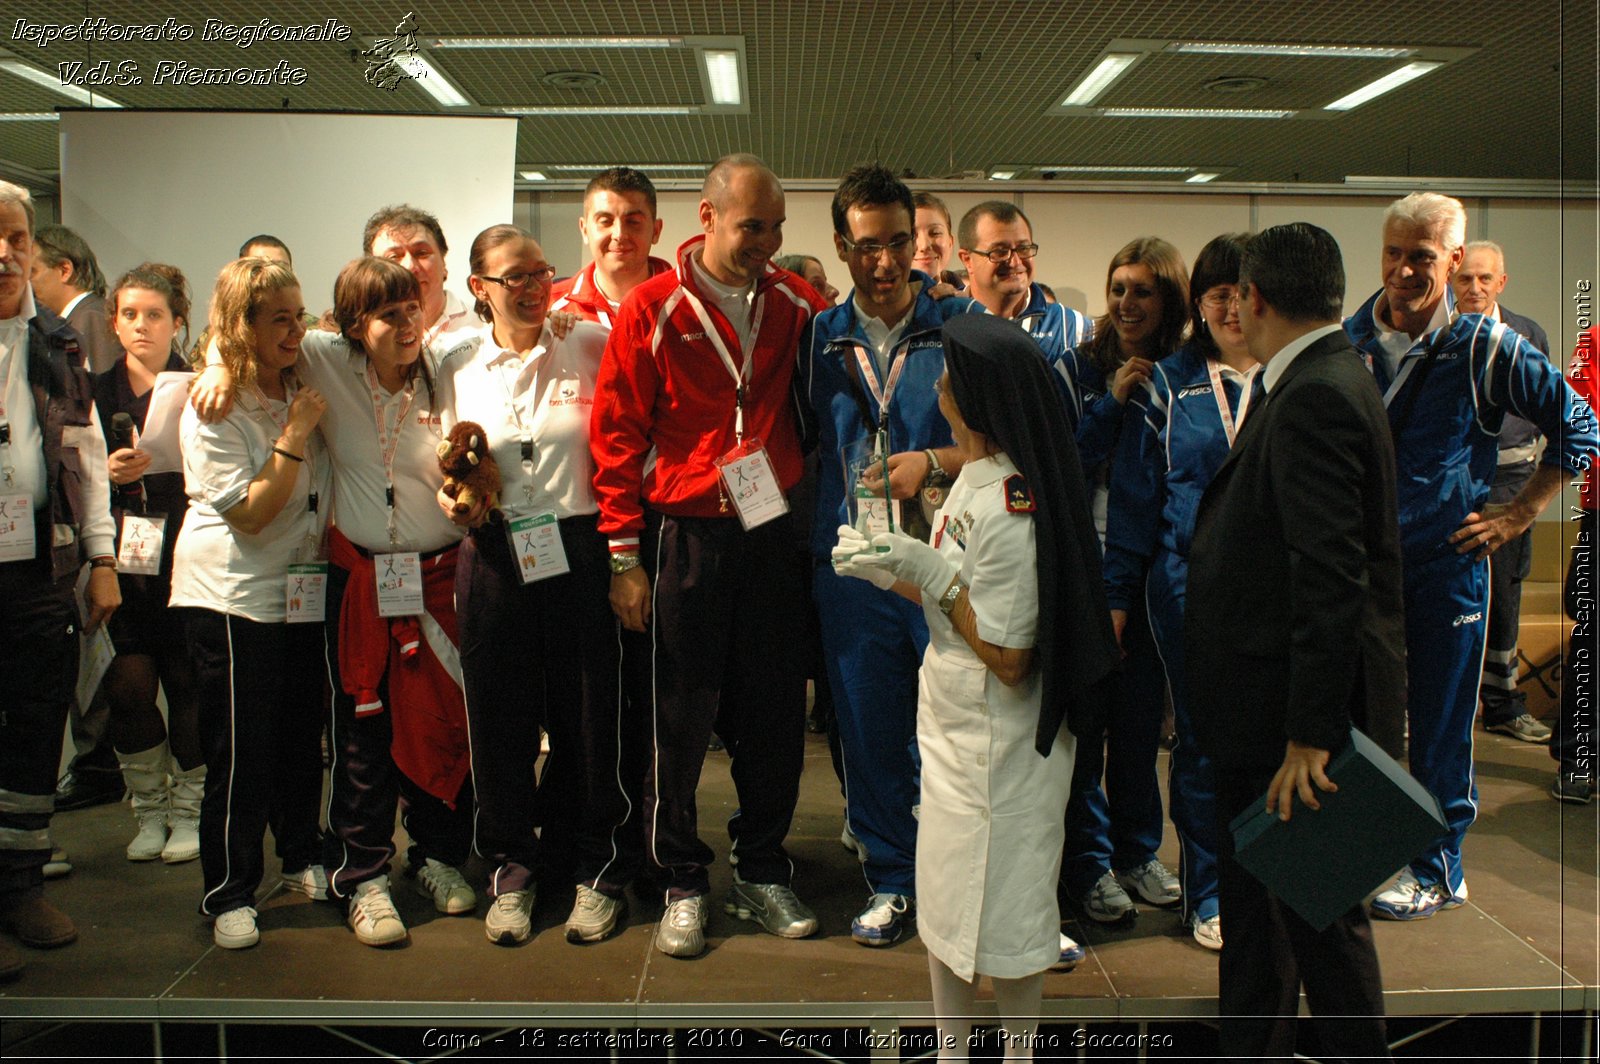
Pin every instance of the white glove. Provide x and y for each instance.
(913, 561)
(852, 546)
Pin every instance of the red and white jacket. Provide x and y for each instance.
(579, 294)
(665, 400)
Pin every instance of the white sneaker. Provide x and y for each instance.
(236, 929)
(594, 915)
(312, 881)
(446, 886)
(682, 931)
(1106, 902)
(372, 914)
(1152, 881)
(1207, 932)
(1408, 899)
(510, 919)
(1071, 953)
(884, 920)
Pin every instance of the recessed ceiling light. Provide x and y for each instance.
(1328, 51)
(1201, 178)
(1002, 175)
(579, 109)
(54, 83)
(1109, 69)
(551, 42)
(534, 175)
(722, 74)
(1190, 112)
(1389, 82)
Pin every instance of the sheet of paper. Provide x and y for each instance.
(160, 436)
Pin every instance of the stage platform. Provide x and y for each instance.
(1528, 942)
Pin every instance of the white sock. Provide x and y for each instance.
(1018, 1001)
(953, 999)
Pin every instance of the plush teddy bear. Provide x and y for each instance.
(470, 472)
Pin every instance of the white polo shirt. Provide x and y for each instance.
(216, 566)
(350, 427)
(458, 322)
(546, 399)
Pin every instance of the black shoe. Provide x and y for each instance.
(1571, 787)
(81, 789)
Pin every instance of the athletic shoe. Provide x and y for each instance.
(510, 919)
(236, 929)
(1207, 932)
(1107, 902)
(884, 920)
(372, 914)
(446, 886)
(312, 881)
(682, 931)
(58, 865)
(848, 840)
(1410, 899)
(594, 915)
(1071, 954)
(771, 905)
(1153, 882)
(1568, 787)
(1523, 726)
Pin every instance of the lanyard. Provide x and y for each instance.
(7, 470)
(388, 443)
(741, 376)
(525, 432)
(886, 393)
(1230, 424)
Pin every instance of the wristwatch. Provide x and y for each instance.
(947, 601)
(623, 561)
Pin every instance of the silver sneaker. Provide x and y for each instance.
(594, 915)
(1153, 882)
(1106, 901)
(682, 931)
(773, 906)
(1207, 932)
(510, 918)
(446, 886)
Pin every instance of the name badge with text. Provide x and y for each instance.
(139, 550)
(306, 593)
(399, 578)
(751, 485)
(16, 528)
(536, 546)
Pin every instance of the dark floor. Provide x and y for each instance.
(1526, 942)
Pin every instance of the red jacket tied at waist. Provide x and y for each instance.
(429, 713)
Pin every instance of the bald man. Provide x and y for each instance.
(695, 448)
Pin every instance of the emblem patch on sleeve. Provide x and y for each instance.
(1019, 500)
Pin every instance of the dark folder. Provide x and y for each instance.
(1323, 862)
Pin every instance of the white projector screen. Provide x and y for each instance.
(188, 187)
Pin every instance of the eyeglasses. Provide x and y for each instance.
(1218, 301)
(514, 281)
(1002, 252)
(870, 249)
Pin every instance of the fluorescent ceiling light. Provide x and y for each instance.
(1390, 81)
(54, 84)
(534, 175)
(1328, 51)
(647, 167)
(1002, 175)
(552, 42)
(722, 73)
(1076, 169)
(30, 116)
(1109, 69)
(436, 84)
(583, 109)
(1190, 112)
(1201, 178)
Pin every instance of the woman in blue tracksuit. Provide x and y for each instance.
(1113, 834)
(1179, 427)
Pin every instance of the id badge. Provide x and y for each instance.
(16, 528)
(536, 546)
(399, 578)
(748, 479)
(876, 515)
(139, 550)
(306, 593)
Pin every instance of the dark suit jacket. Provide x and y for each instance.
(1293, 623)
(1514, 431)
(88, 320)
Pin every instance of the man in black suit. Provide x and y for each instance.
(1294, 633)
(1478, 283)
